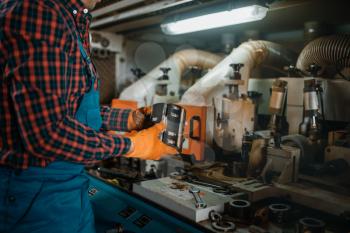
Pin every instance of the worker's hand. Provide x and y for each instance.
(137, 118)
(147, 145)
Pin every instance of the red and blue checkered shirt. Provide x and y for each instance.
(42, 79)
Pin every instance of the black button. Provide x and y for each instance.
(142, 221)
(11, 198)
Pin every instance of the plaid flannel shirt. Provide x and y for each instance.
(42, 80)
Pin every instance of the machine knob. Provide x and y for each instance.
(236, 66)
(291, 70)
(314, 69)
(137, 72)
(236, 70)
(165, 71)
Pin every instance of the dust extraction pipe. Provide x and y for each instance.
(326, 51)
(251, 54)
(143, 90)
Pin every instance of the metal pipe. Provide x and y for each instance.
(143, 90)
(251, 54)
(326, 51)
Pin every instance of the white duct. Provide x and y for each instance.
(251, 54)
(143, 90)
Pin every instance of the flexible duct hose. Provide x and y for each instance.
(251, 54)
(143, 90)
(326, 51)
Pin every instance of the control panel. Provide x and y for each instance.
(119, 211)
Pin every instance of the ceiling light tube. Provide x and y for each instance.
(215, 20)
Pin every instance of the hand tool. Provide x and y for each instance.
(199, 201)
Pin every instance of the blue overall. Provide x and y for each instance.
(52, 199)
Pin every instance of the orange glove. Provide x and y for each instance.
(147, 145)
(137, 117)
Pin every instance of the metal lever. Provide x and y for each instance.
(199, 201)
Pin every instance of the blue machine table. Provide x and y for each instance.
(116, 208)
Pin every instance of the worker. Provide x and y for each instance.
(51, 123)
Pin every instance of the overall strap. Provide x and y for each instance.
(86, 58)
(82, 51)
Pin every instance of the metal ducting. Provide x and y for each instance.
(143, 90)
(326, 51)
(251, 54)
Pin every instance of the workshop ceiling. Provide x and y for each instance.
(135, 17)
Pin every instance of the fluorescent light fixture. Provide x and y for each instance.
(215, 20)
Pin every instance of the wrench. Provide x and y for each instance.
(199, 201)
